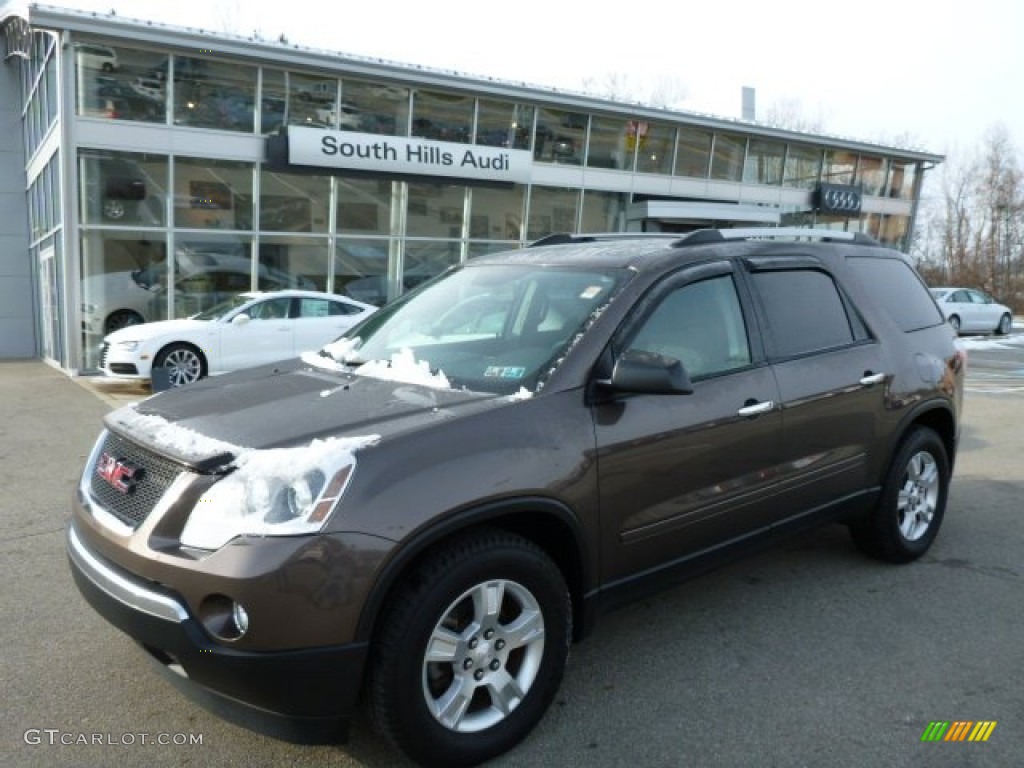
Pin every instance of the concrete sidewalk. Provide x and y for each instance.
(49, 423)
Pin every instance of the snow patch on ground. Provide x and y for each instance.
(982, 342)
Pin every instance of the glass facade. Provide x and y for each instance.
(234, 225)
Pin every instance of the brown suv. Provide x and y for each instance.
(428, 511)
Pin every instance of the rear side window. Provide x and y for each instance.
(803, 311)
(897, 288)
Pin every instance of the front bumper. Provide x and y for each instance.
(306, 695)
(123, 364)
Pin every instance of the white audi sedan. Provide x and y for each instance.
(247, 330)
(972, 311)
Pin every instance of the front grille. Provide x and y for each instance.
(134, 507)
(104, 349)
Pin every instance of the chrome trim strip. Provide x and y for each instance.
(121, 588)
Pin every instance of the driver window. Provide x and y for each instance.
(699, 324)
(274, 309)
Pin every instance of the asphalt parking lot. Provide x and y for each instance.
(806, 655)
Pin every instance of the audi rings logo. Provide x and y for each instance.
(839, 198)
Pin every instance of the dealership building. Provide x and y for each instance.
(150, 171)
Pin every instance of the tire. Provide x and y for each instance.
(954, 321)
(184, 362)
(1005, 323)
(906, 520)
(122, 318)
(506, 665)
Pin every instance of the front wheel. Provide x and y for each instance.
(906, 520)
(1005, 322)
(183, 362)
(955, 322)
(471, 650)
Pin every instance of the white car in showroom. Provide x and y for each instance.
(247, 330)
(972, 311)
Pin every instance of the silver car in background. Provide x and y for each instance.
(972, 311)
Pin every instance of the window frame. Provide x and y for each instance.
(859, 332)
(668, 284)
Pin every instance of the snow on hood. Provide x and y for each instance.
(316, 360)
(405, 368)
(168, 436)
(192, 446)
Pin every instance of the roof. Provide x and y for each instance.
(136, 31)
(654, 252)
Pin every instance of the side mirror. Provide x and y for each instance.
(240, 319)
(648, 373)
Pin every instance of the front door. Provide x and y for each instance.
(681, 473)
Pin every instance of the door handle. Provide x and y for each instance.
(869, 378)
(756, 409)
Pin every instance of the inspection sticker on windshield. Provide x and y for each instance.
(504, 372)
(591, 292)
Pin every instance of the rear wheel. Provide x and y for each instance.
(954, 320)
(904, 524)
(471, 650)
(184, 363)
(1005, 323)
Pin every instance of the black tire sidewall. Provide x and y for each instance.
(415, 728)
(894, 542)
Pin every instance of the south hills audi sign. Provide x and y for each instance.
(399, 155)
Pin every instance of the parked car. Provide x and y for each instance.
(94, 56)
(115, 300)
(426, 513)
(244, 331)
(972, 311)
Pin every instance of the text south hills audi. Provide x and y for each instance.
(423, 515)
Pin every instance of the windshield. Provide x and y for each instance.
(488, 328)
(218, 311)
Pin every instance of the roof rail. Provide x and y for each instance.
(561, 238)
(702, 236)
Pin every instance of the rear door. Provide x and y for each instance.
(832, 381)
(682, 473)
(321, 320)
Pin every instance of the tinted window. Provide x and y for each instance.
(897, 287)
(274, 309)
(699, 324)
(341, 308)
(803, 310)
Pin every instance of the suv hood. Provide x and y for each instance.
(284, 405)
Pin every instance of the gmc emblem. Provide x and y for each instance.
(122, 475)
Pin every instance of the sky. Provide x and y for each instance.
(941, 73)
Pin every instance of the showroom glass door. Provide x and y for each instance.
(49, 306)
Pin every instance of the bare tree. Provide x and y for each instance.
(664, 91)
(980, 218)
(789, 114)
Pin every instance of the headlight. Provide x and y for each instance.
(277, 492)
(128, 346)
